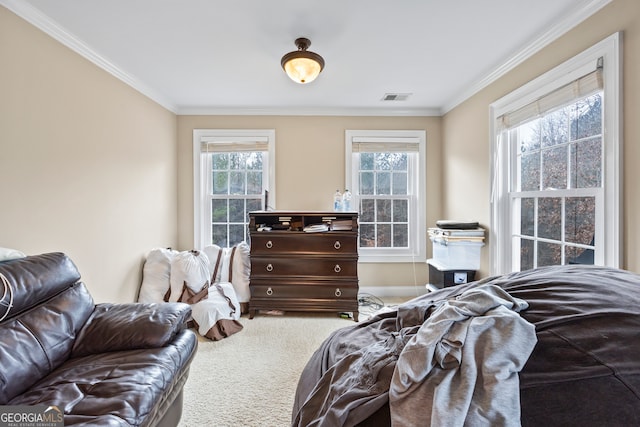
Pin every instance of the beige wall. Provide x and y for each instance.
(87, 164)
(466, 148)
(309, 168)
(92, 168)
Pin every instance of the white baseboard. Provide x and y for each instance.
(394, 291)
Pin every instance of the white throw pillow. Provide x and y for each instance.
(190, 268)
(238, 269)
(156, 273)
(7, 254)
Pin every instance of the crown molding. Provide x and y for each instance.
(54, 30)
(293, 111)
(558, 29)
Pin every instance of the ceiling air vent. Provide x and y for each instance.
(395, 96)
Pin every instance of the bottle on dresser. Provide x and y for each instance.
(337, 201)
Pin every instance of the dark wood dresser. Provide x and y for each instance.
(304, 261)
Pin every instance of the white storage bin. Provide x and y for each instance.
(462, 255)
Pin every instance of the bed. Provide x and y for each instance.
(577, 363)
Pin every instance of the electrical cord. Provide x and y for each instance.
(8, 292)
(368, 303)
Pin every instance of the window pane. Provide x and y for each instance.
(530, 172)
(254, 182)
(252, 205)
(366, 161)
(219, 210)
(254, 161)
(554, 163)
(550, 218)
(237, 161)
(554, 128)
(383, 210)
(219, 235)
(526, 254)
(236, 210)
(586, 163)
(237, 183)
(236, 234)
(580, 221)
(575, 255)
(220, 161)
(586, 117)
(367, 235)
(549, 254)
(383, 183)
(383, 161)
(399, 161)
(366, 183)
(367, 210)
(400, 236)
(220, 182)
(383, 239)
(400, 211)
(529, 137)
(527, 216)
(400, 182)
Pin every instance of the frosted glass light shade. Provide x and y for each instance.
(302, 66)
(302, 70)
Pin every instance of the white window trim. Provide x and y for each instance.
(417, 239)
(200, 199)
(611, 50)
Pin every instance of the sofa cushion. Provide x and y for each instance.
(34, 338)
(116, 388)
(37, 278)
(39, 340)
(114, 327)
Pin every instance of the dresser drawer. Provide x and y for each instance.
(346, 291)
(268, 243)
(308, 266)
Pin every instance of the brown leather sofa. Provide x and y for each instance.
(100, 364)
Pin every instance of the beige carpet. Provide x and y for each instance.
(249, 379)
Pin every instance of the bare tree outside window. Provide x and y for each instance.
(237, 189)
(559, 164)
(384, 200)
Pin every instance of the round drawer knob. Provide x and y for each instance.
(269, 291)
(269, 244)
(338, 292)
(337, 268)
(269, 267)
(337, 245)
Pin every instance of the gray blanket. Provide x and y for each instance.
(460, 365)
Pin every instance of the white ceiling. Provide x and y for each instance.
(223, 57)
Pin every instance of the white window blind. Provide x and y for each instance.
(385, 145)
(224, 145)
(581, 87)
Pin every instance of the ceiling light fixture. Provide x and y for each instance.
(301, 65)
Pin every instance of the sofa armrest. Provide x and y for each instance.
(115, 327)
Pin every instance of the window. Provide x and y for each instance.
(232, 170)
(556, 151)
(385, 170)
